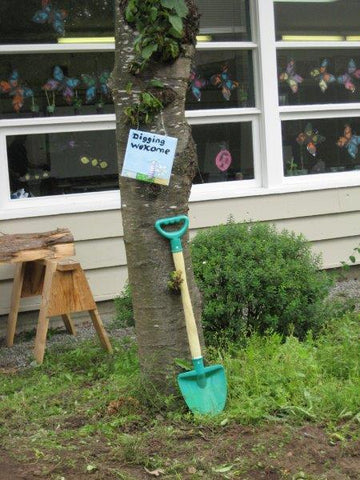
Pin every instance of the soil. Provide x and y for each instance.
(272, 452)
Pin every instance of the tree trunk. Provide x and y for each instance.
(159, 318)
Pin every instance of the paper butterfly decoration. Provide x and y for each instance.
(290, 77)
(196, 84)
(223, 160)
(349, 141)
(222, 80)
(63, 84)
(94, 83)
(50, 14)
(15, 90)
(311, 138)
(320, 74)
(347, 78)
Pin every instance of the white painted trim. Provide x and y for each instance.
(110, 200)
(315, 45)
(55, 48)
(43, 121)
(226, 46)
(320, 111)
(270, 126)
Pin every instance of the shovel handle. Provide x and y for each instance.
(178, 257)
(173, 236)
(191, 328)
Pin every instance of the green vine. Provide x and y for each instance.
(160, 30)
(144, 111)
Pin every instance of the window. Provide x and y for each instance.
(273, 101)
(318, 67)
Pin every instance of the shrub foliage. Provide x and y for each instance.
(254, 278)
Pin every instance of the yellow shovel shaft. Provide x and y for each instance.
(191, 328)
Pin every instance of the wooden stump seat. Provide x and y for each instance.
(43, 268)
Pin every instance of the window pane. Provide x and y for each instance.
(27, 21)
(221, 80)
(318, 76)
(55, 84)
(316, 20)
(321, 145)
(227, 20)
(59, 163)
(224, 152)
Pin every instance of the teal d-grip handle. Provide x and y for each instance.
(174, 236)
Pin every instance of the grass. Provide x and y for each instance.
(82, 396)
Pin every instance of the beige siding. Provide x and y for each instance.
(330, 219)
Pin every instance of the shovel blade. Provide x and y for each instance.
(205, 393)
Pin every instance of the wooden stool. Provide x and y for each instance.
(60, 281)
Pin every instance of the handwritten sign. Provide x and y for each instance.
(149, 157)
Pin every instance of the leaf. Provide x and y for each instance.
(183, 364)
(179, 6)
(155, 473)
(91, 468)
(148, 51)
(352, 258)
(176, 23)
(156, 83)
(223, 469)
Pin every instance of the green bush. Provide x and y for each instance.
(253, 278)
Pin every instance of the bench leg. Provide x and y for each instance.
(69, 324)
(15, 303)
(43, 322)
(99, 327)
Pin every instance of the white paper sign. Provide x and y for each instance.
(149, 157)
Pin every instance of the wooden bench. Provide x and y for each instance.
(43, 268)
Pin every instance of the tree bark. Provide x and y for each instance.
(159, 318)
(34, 246)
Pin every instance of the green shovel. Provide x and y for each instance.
(204, 388)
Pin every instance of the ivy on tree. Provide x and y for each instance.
(160, 33)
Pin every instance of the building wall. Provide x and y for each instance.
(329, 218)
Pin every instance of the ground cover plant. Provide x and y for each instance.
(293, 413)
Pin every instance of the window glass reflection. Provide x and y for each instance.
(60, 163)
(47, 21)
(228, 20)
(55, 84)
(221, 80)
(321, 145)
(224, 152)
(318, 76)
(327, 20)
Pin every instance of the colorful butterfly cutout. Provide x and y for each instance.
(349, 141)
(347, 78)
(311, 138)
(94, 83)
(50, 14)
(63, 84)
(290, 77)
(15, 90)
(196, 83)
(223, 80)
(322, 75)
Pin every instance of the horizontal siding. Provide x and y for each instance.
(330, 219)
